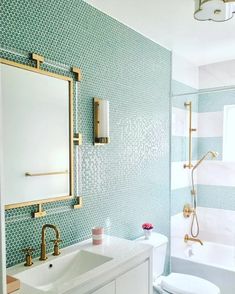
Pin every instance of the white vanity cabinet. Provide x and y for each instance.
(134, 281)
(117, 266)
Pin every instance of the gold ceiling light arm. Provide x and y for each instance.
(191, 130)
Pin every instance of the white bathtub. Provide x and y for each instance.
(212, 261)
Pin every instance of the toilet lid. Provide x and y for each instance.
(187, 284)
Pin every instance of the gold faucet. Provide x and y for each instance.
(43, 255)
(187, 238)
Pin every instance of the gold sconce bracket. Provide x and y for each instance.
(187, 210)
(40, 212)
(78, 72)
(38, 58)
(79, 203)
(77, 139)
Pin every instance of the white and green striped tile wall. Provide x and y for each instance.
(215, 179)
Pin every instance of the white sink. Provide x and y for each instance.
(53, 276)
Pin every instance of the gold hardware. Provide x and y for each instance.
(187, 210)
(77, 139)
(217, 11)
(79, 203)
(77, 71)
(40, 212)
(38, 58)
(187, 238)
(37, 69)
(43, 255)
(98, 140)
(56, 247)
(189, 164)
(46, 174)
(28, 257)
(37, 202)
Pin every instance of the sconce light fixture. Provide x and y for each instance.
(101, 121)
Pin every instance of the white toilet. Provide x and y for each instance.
(174, 283)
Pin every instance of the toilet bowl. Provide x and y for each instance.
(174, 283)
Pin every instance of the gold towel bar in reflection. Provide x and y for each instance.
(46, 174)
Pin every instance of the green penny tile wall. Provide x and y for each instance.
(126, 182)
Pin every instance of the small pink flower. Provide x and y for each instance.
(147, 226)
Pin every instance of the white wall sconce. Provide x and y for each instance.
(101, 122)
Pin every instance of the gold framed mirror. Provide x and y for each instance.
(38, 139)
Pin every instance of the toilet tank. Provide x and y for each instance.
(159, 243)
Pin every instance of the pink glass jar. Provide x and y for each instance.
(97, 235)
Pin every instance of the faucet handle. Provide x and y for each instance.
(28, 257)
(56, 246)
(56, 241)
(28, 250)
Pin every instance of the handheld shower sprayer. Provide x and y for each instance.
(212, 155)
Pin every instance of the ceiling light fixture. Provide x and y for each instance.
(215, 10)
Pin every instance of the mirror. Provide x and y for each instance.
(37, 135)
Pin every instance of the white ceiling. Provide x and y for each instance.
(171, 24)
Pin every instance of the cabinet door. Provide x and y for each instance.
(107, 289)
(135, 281)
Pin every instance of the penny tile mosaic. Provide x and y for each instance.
(126, 182)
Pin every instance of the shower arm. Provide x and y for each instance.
(193, 191)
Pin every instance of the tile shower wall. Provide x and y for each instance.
(216, 179)
(126, 182)
(180, 177)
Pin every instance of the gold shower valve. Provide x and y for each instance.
(187, 210)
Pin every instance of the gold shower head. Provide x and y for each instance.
(213, 155)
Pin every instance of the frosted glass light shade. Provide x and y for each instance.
(101, 121)
(215, 10)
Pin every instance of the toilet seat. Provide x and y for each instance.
(186, 284)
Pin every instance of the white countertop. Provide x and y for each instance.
(125, 255)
